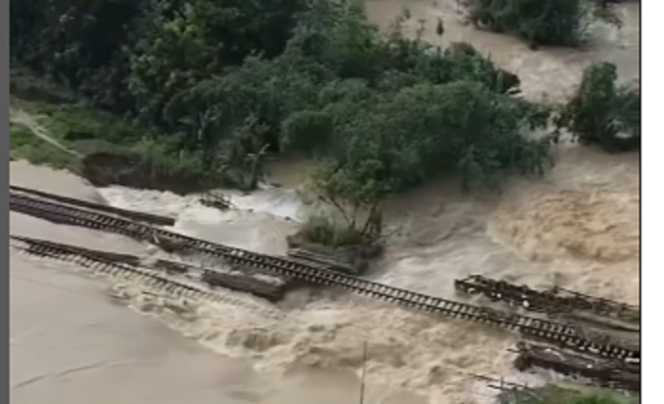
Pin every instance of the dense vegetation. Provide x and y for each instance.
(603, 112)
(223, 84)
(542, 22)
(590, 399)
(555, 393)
(552, 394)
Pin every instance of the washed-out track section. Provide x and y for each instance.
(552, 301)
(160, 276)
(113, 264)
(529, 327)
(602, 371)
(130, 214)
(177, 280)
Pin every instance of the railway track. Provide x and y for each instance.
(553, 301)
(533, 328)
(116, 265)
(601, 371)
(178, 280)
(130, 214)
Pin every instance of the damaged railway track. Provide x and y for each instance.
(178, 280)
(602, 371)
(556, 301)
(539, 329)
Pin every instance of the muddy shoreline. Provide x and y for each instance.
(132, 170)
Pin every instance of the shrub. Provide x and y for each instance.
(595, 399)
(540, 22)
(603, 112)
(330, 230)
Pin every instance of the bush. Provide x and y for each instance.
(594, 399)
(602, 112)
(540, 22)
(553, 394)
(330, 230)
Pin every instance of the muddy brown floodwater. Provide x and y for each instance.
(578, 227)
(549, 73)
(73, 340)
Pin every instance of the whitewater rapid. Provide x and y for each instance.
(73, 338)
(578, 227)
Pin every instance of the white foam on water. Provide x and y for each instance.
(578, 227)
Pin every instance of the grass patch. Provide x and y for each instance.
(555, 394)
(75, 122)
(24, 145)
(330, 230)
(76, 126)
(84, 131)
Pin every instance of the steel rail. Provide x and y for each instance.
(176, 279)
(552, 332)
(131, 214)
(114, 265)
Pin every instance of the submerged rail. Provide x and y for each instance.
(131, 214)
(177, 279)
(549, 331)
(119, 265)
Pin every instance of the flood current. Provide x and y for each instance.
(74, 340)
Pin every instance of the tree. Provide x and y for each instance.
(357, 203)
(78, 44)
(603, 112)
(541, 22)
(230, 81)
